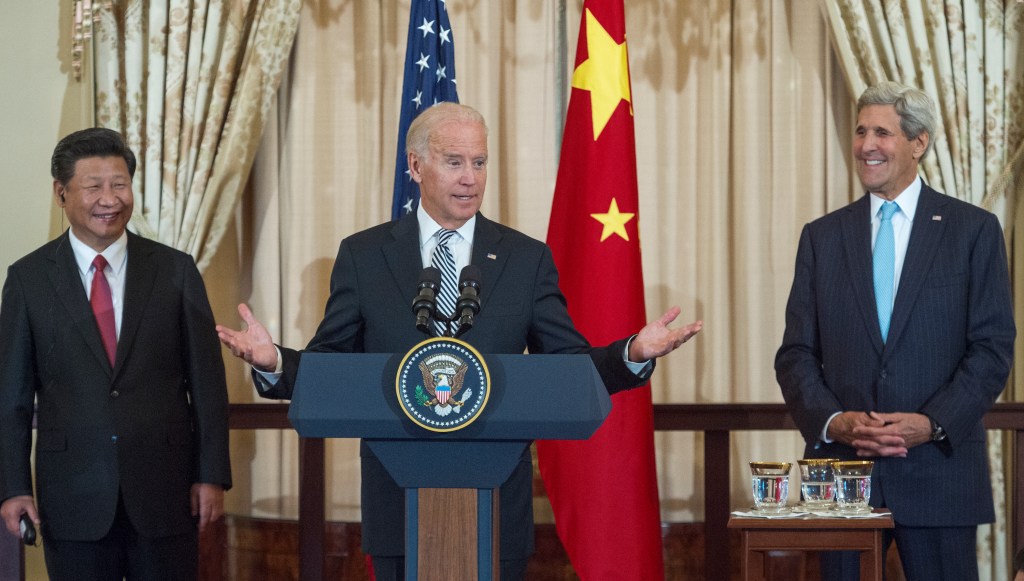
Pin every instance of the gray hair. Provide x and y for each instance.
(417, 140)
(915, 108)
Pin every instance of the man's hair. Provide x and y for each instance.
(91, 142)
(417, 140)
(914, 107)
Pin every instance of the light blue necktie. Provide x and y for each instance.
(884, 262)
(444, 261)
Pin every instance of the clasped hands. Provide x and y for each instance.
(878, 434)
(256, 347)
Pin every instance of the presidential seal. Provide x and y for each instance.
(443, 384)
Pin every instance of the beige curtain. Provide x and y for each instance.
(743, 130)
(969, 55)
(190, 83)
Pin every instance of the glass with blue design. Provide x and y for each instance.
(853, 486)
(817, 483)
(770, 485)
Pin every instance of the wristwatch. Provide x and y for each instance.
(938, 434)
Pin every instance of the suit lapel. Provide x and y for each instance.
(489, 254)
(856, 227)
(138, 287)
(402, 255)
(921, 249)
(67, 282)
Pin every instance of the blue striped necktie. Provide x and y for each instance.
(444, 261)
(884, 263)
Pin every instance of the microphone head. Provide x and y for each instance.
(470, 276)
(430, 278)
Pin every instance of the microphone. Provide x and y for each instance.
(425, 303)
(469, 297)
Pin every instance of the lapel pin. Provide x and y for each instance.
(492, 256)
(937, 218)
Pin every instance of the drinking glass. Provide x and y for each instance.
(817, 482)
(770, 485)
(853, 485)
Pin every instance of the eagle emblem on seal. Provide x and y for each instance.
(443, 375)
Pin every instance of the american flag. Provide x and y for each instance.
(429, 79)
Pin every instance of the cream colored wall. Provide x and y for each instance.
(39, 103)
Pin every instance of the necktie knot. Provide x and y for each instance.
(888, 209)
(100, 263)
(444, 235)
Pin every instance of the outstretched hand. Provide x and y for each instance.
(656, 339)
(254, 344)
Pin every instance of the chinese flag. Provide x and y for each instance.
(604, 490)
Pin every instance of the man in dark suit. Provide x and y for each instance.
(899, 337)
(112, 337)
(373, 285)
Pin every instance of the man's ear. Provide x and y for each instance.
(415, 167)
(58, 193)
(920, 145)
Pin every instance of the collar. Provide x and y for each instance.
(907, 200)
(116, 254)
(429, 227)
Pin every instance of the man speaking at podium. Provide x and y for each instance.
(374, 279)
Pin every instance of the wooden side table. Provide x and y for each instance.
(812, 533)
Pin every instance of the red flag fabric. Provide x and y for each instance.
(603, 491)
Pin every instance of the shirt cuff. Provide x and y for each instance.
(638, 369)
(272, 377)
(824, 431)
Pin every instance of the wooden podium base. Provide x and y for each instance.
(449, 543)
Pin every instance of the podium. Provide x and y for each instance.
(451, 508)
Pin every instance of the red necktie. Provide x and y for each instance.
(103, 307)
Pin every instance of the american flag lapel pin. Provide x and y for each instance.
(937, 218)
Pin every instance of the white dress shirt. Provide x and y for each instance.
(117, 258)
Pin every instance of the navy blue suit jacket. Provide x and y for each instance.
(369, 310)
(948, 354)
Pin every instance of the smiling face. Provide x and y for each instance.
(98, 200)
(453, 173)
(886, 159)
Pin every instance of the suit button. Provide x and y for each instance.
(113, 439)
(883, 374)
(114, 394)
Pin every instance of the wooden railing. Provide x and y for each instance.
(716, 421)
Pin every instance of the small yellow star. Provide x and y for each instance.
(605, 74)
(614, 221)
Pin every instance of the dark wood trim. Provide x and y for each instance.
(716, 506)
(258, 416)
(312, 514)
(717, 421)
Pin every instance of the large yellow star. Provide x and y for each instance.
(605, 74)
(614, 221)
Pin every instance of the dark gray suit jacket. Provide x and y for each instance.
(948, 354)
(369, 310)
(148, 428)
